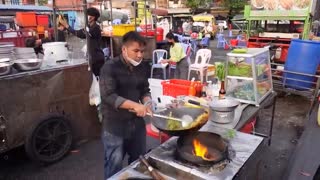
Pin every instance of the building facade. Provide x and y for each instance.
(19, 2)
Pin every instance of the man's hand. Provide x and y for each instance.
(151, 104)
(63, 22)
(141, 110)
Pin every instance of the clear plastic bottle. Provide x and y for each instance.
(209, 89)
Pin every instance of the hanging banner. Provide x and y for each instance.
(278, 8)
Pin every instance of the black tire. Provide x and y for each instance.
(49, 139)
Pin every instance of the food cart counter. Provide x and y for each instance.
(243, 150)
(41, 104)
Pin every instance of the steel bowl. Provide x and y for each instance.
(27, 64)
(23, 50)
(5, 68)
(26, 56)
(24, 53)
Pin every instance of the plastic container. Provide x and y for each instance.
(40, 29)
(284, 54)
(42, 20)
(175, 87)
(234, 42)
(160, 32)
(155, 88)
(122, 29)
(249, 127)
(26, 19)
(303, 57)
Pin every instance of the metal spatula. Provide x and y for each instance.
(185, 118)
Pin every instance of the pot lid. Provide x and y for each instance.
(224, 104)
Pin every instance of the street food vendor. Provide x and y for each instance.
(178, 56)
(125, 99)
(95, 53)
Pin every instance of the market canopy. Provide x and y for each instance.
(159, 12)
(203, 17)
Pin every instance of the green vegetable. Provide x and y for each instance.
(173, 124)
(230, 134)
(241, 50)
(220, 72)
(241, 69)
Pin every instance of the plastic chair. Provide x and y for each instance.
(157, 55)
(188, 50)
(205, 42)
(221, 41)
(201, 63)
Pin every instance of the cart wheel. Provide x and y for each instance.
(49, 140)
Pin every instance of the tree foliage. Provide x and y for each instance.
(195, 4)
(43, 2)
(234, 6)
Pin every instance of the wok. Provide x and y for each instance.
(162, 124)
(217, 147)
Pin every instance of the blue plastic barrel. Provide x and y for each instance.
(303, 57)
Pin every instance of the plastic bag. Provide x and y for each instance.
(84, 49)
(94, 93)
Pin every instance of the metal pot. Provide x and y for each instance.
(222, 111)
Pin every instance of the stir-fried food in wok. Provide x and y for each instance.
(172, 124)
(176, 125)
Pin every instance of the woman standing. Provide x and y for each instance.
(178, 56)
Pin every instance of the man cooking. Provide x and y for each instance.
(125, 99)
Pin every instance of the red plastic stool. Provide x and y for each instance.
(157, 135)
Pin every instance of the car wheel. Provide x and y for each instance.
(49, 140)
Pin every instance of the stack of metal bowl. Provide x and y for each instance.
(6, 57)
(26, 59)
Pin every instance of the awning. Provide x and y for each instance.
(203, 17)
(178, 10)
(25, 8)
(159, 12)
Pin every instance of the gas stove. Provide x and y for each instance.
(165, 160)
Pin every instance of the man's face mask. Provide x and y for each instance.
(132, 61)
